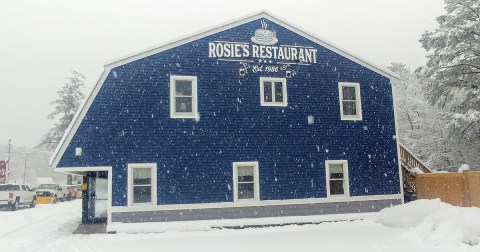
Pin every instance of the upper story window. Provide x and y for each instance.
(337, 178)
(183, 96)
(273, 91)
(350, 101)
(245, 181)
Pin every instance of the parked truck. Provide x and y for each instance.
(50, 193)
(15, 195)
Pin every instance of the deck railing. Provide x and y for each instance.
(410, 161)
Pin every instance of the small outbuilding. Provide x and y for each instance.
(255, 118)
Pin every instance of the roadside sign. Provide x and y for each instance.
(3, 172)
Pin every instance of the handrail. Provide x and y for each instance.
(410, 161)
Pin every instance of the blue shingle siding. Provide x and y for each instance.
(129, 122)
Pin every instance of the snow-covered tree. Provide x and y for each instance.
(69, 99)
(452, 73)
(453, 67)
(422, 127)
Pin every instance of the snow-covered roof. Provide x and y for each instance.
(70, 132)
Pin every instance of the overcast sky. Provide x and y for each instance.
(42, 41)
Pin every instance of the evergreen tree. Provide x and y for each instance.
(452, 73)
(69, 99)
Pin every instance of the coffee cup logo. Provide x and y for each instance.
(264, 36)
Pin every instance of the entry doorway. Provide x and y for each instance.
(95, 197)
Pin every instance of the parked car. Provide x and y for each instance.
(50, 193)
(14, 195)
(70, 191)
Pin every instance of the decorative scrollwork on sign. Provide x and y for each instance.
(244, 64)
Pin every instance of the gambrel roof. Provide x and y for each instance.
(70, 132)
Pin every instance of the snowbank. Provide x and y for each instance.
(434, 222)
(424, 225)
(206, 225)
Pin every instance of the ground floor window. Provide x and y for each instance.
(245, 181)
(142, 188)
(337, 178)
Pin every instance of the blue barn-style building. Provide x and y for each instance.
(255, 118)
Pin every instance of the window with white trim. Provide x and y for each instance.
(273, 91)
(337, 178)
(245, 181)
(350, 101)
(183, 96)
(142, 184)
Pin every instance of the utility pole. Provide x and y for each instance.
(25, 167)
(8, 162)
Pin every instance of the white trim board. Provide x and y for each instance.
(119, 209)
(71, 130)
(397, 140)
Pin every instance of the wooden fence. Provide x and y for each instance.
(455, 188)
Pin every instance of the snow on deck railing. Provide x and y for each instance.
(410, 161)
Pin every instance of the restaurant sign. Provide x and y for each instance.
(263, 48)
(3, 172)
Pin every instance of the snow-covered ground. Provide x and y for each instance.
(425, 225)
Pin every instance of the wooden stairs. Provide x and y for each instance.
(411, 165)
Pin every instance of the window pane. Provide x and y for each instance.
(278, 92)
(267, 91)
(336, 171)
(245, 174)
(183, 104)
(348, 93)
(349, 107)
(183, 87)
(245, 191)
(142, 176)
(142, 194)
(336, 187)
